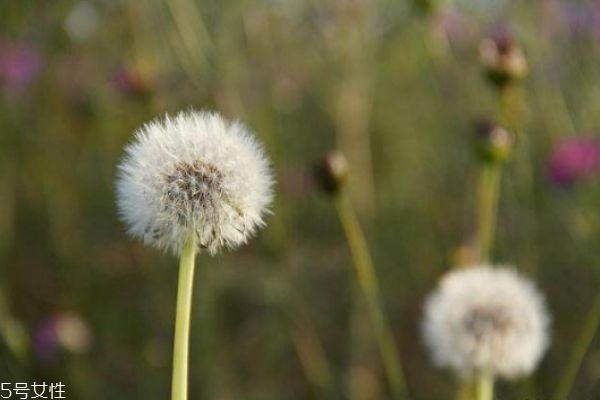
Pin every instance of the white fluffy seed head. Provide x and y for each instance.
(195, 173)
(486, 320)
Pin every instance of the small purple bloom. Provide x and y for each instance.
(20, 64)
(579, 20)
(64, 331)
(45, 342)
(574, 159)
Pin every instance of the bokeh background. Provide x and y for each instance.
(396, 85)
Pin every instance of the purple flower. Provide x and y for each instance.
(583, 20)
(20, 64)
(573, 160)
(61, 332)
(45, 343)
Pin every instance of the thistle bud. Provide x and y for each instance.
(493, 143)
(331, 173)
(502, 59)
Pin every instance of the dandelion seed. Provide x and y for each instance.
(194, 173)
(486, 321)
(192, 181)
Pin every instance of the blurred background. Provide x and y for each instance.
(396, 85)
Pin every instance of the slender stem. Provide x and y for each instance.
(581, 347)
(179, 387)
(485, 387)
(312, 357)
(489, 191)
(369, 285)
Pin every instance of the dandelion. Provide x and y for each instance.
(82, 21)
(486, 323)
(195, 181)
(195, 174)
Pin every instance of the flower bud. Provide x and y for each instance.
(331, 173)
(494, 143)
(502, 59)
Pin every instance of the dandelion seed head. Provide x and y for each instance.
(194, 173)
(486, 320)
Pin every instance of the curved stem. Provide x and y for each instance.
(489, 191)
(312, 357)
(590, 327)
(369, 285)
(179, 386)
(485, 387)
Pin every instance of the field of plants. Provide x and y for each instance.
(404, 143)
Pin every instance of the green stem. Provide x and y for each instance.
(179, 387)
(582, 345)
(485, 387)
(312, 357)
(489, 191)
(369, 285)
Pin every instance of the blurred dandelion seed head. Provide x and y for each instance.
(486, 320)
(197, 174)
(82, 21)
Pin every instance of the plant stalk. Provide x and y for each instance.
(580, 349)
(485, 387)
(369, 286)
(488, 195)
(179, 388)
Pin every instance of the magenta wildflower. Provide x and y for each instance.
(20, 64)
(573, 160)
(61, 332)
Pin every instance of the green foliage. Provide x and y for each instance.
(397, 91)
